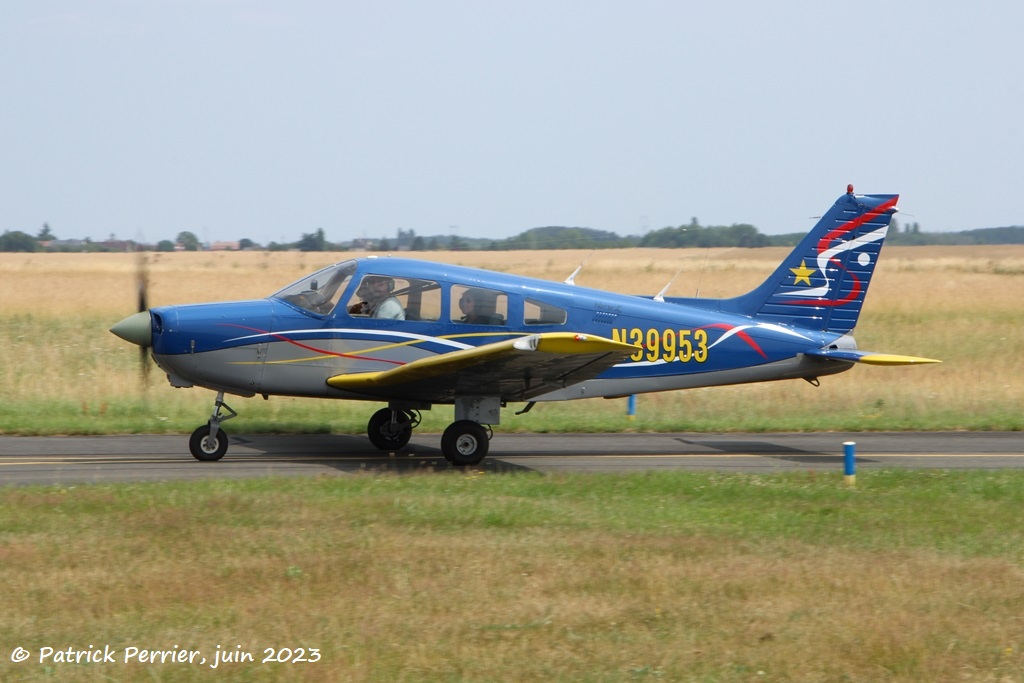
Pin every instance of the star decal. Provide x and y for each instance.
(803, 274)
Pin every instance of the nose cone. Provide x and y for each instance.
(137, 329)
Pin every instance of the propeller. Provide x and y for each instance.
(138, 327)
(142, 287)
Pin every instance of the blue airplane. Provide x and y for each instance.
(413, 334)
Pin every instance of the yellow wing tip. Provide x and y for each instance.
(354, 381)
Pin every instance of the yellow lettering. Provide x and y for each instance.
(668, 343)
(685, 346)
(701, 337)
(636, 338)
(652, 344)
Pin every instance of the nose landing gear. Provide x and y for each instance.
(209, 442)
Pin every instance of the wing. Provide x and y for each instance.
(514, 370)
(868, 357)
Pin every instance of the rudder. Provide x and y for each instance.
(822, 283)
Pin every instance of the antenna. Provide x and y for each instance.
(700, 279)
(660, 296)
(571, 280)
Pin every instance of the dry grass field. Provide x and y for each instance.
(460, 576)
(64, 373)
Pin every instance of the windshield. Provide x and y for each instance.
(319, 292)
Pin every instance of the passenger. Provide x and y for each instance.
(378, 300)
(471, 303)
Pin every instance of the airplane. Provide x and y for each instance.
(414, 334)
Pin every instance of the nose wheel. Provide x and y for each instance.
(207, 446)
(465, 443)
(209, 442)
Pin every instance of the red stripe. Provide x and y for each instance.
(313, 348)
(742, 334)
(826, 241)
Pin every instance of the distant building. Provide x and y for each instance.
(225, 246)
(363, 244)
(62, 245)
(116, 245)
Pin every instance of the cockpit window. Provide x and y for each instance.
(319, 292)
(395, 298)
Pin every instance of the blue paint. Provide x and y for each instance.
(849, 458)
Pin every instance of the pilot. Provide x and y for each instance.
(378, 300)
(471, 303)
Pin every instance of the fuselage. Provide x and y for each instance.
(293, 341)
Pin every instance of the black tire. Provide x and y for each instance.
(387, 436)
(464, 443)
(206, 450)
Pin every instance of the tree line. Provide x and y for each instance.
(691, 235)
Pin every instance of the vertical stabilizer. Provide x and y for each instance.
(822, 283)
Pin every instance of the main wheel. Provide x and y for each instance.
(464, 443)
(205, 448)
(387, 435)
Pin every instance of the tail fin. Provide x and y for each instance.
(822, 283)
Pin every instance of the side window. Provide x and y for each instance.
(540, 313)
(422, 299)
(479, 306)
(396, 298)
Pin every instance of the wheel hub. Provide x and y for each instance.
(466, 444)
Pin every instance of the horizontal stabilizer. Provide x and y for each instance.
(869, 357)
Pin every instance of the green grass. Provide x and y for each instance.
(909, 576)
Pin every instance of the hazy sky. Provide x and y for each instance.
(266, 119)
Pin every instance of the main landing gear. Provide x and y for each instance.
(465, 442)
(210, 442)
(391, 428)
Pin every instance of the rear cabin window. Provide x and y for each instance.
(540, 313)
(479, 306)
(396, 298)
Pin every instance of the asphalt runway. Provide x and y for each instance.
(105, 459)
